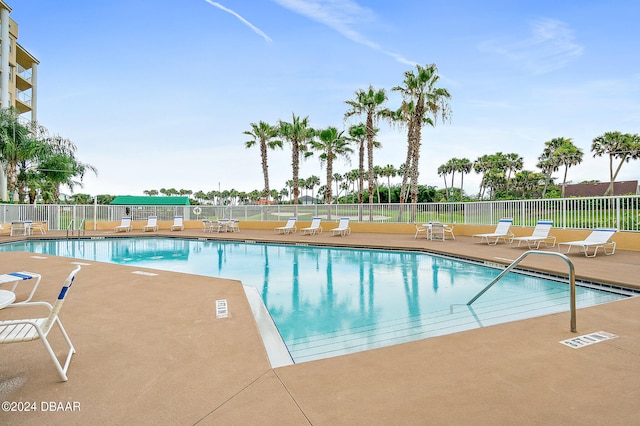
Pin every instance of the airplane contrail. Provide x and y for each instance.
(244, 21)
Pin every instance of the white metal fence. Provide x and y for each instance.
(622, 213)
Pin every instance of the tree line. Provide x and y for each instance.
(37, 163)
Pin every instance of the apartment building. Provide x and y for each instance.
(18, 76)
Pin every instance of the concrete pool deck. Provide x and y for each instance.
(151, 351)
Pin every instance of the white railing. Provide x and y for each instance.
(621, 212)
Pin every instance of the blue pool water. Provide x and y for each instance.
(331, 301)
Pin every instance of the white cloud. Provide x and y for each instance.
(244, 21)
(342, 16)
(550, 46)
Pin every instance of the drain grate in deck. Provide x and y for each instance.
(588, 339)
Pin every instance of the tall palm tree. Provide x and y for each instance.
(567, 155)
(310, 183)
(513, 163)
(377, 170)
(624, 147)
(370, 104)
(63, 169)
(422, 104)
(389, 171)
(264, 134)
(556, 153)
(358, 134)
(353, 176)
(482, 165)
(464, 167)
(443, 171)
(298, 133)
(17, 146)
(337, 178)
(332, 144)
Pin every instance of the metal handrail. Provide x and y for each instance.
(572, 281)
(70, 227)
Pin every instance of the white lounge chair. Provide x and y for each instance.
(600, 237)
(125, 224)
(178, 224)
(26, 330)
(289, 227)
(343, 227)
(540, 235)
(152, 224)
(315, 227)
(21, 227)
(502, 232)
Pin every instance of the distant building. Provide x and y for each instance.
(599, 188)
(18, 76)
(305, 199)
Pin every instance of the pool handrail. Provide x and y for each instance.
(572, 280)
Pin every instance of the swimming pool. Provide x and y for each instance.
(332, 301)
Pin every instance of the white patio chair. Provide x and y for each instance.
(26, 330)
(600, 237)
(125, 225)
(422, 228)
(540, 235)
(315, 227)
(289, 227)
(178, 223)
(343, 228)
(152, 224)
(502, 232)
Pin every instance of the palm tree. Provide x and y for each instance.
(298, 133)
(17, 146)
(264, 134)
(358, 134)
(332, 144)
(513, 163)
(422, 104)
(559, 152)
(337, 177)
(482, 165)
(568, 155)
(389, 171)
(464, 167)
(377, 170)
(353, 176)
(527, 182)
(624, 147)
(310, 183)
(369, 103)
(547, 164)
(443, 171)
(60, 168)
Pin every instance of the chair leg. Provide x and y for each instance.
(62, 370)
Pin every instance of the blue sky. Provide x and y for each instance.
(156, 94)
